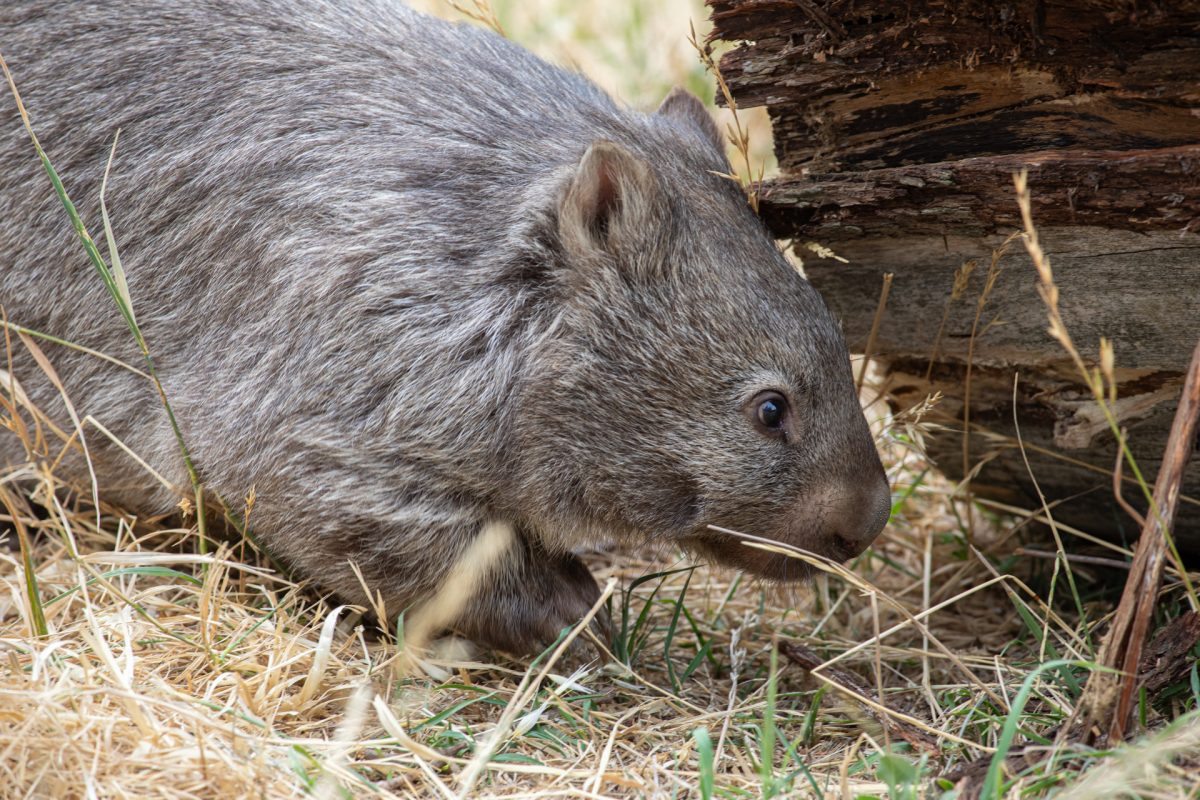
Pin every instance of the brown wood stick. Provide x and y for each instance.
(1109, 698)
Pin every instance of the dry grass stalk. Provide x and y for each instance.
(1062, 562)
(739, 136)
(962, 279)
(1099, 380)
(1132, 771)
(853, 685)
(114, 280)
(525, 694)
(1117, 488)
(880, 307)
(255, 691)
(481, 11)
(466, 578)
(1000, 440)
(989, 284)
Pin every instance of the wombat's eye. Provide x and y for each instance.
(770, 411)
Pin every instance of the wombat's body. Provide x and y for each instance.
(404, 278)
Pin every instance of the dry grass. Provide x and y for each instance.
(166, 671)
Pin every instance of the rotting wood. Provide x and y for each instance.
(1104, 275)
(1148, 190)
(941, 80)
(898, 126)
(1167, 660)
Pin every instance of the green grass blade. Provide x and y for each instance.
(767, 730)
(114, 257)
(704, 751)
(153, 572)
(992, 781)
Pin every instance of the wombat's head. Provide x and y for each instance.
(692, 377)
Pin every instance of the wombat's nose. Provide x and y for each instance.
(864, 517)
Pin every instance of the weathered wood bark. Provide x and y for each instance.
(898, 127)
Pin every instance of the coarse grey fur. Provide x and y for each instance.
(404, 278)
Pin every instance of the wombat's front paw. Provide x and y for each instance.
(525, 611)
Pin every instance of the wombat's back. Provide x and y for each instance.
(306, 195)
(319, 111)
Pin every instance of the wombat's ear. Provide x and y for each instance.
(613, 198)
(685, 107)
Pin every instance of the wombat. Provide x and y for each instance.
(404, 279)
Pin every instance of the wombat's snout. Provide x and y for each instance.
(837, 522)
(857, 519)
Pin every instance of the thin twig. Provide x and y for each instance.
(875, 323)
(739, 136)
(1074, 558)
(989, 284)
(1110, 698)
(1116, 485)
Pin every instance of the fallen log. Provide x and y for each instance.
(898, 127)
